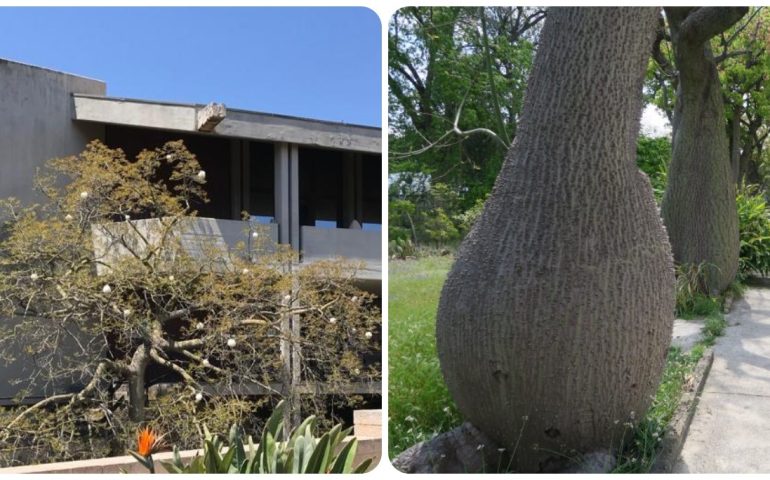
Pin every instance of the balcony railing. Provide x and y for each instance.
(353, 244)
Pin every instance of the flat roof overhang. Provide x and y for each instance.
(235, 123)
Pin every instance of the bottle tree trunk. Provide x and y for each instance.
(698, 206)
(555, 319)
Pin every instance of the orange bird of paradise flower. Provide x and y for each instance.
(147, 442)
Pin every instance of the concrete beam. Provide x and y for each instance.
(210, 116)
(236, 124)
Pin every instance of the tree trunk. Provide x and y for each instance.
(137, 396)
(735, 144)
(698, 206)
(555, 319)
(749, 169)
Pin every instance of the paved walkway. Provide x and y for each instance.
(730, 432)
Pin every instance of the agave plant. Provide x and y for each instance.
(299, 451)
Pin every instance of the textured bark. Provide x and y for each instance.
(137, 396)
(735, 143)
(698, 206)
(554, 321)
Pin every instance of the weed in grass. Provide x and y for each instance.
(714, 327)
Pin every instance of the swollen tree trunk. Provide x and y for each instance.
(698, 206)
(555, 319)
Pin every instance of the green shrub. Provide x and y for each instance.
(691, 301)
(299, 451)
(402, 248)
(714, 327)
(652, 157)
(754, 222)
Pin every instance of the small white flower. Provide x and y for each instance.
(198, 397)
(107, 289)
(254, 234)
(170, 278)
(480, 447)
(632, 415)
(655, 435)
(169, 157)
(201, 175)
(525, 418)
(127, 312)
(231, 342)
(357, 371)
(34, 276)
(68, 217)
(368, 335)
(501, 450)
(127, 217)
(353, 330)
(332, 320)
(410, 419)
(84, 195)
(199, 326)
(287, 298)
(245, 271)
(447, 410)
(354, 299)
(206, 362)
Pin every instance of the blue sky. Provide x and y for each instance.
(320, 63)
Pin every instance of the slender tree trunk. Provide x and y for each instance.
(698, 206)
(555, 319)
(137, 396)
(735, 144)
(749, 171)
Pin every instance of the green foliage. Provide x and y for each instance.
(466, 219)
(691, 301)
(714, 327)
(419, 403)
(445, 59)
(401, 248)
(401, 214)
(299, 451)
(438, 228)
(754, 224)
(652, 157)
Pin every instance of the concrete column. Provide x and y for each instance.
(236, 181)
(294, 197)
(348, 188)
(359, 187)
(282, 185)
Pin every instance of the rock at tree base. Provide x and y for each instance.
(466, 449)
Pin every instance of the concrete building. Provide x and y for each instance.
(315, 184)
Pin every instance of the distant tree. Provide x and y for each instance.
(102, 287)
(698, 206)
(743, 64)
(555, 319)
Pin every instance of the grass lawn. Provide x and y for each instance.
(419, 403)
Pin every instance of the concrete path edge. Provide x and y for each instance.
(676, 432)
